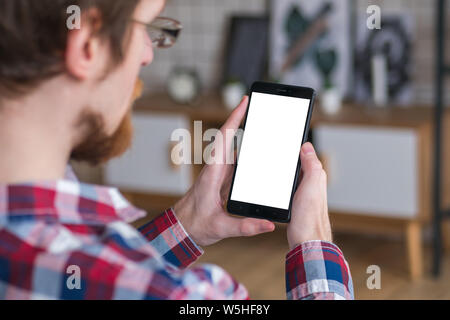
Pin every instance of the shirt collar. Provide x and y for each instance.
(67, 201)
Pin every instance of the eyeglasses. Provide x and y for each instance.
(162, 31)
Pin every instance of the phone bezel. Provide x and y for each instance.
(259, 211)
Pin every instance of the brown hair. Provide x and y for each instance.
(33, 37)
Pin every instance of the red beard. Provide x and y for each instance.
(98, 147)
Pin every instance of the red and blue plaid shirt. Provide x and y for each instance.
(49, 228)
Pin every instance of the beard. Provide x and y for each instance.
(98, 147)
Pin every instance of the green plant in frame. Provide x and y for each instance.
(310, 29)
(326, 61)
(296, 24)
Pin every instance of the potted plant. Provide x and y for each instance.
(330, 97)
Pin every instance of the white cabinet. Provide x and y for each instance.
(147, 166)
(372, 170)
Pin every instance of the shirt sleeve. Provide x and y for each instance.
(147, 280)
(314, 269)
(318, 270)
(166, 234)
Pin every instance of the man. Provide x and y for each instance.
(66, 94)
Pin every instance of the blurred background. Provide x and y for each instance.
(380, 126)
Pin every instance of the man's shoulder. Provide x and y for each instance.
(42, 258)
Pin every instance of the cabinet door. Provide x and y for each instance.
(372, 170)
(147, 166)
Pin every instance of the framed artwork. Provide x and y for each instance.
(311, 43)
(246, 50)
(394, 42)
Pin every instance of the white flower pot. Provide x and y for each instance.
(331, 101)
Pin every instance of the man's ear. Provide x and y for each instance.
(83, 46)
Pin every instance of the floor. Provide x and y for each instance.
(258, 263)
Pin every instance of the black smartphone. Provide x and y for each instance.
(268, 164)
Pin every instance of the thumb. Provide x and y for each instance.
(245, 227)
(229, 129)
(236, 117)
(308, 157)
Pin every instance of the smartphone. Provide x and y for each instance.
(268, 164)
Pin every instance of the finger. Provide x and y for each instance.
(300, 178)
(227, 179)
(236, 117)
(228, 130)
(310, 163)
(226, 184)
(229, 168)
(246, 227)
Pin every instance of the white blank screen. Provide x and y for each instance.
(270, 150)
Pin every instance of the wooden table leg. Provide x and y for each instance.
(446, 234)
(415, 252)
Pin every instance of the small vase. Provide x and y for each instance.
(331, 100)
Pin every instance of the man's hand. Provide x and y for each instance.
(201, 211)
(309, 219)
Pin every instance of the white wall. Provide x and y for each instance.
(201, 43)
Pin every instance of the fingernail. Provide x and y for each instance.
(308, 148)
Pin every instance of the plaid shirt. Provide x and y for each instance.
(51, 232)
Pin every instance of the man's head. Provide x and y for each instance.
(95, 67)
